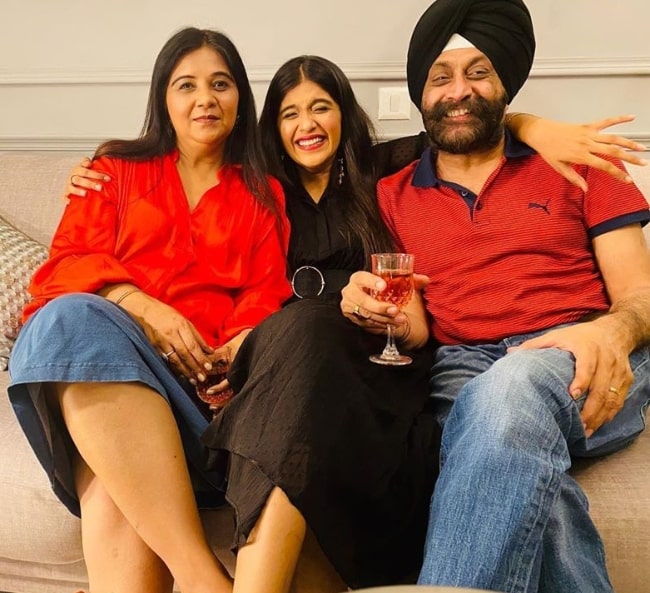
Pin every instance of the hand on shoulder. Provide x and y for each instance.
(84, 177)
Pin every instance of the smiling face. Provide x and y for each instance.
(202, 100)
(309, 123)
(464, 102)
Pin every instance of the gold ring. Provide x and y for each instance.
(72, 180)
(613, 390)
(356, 311)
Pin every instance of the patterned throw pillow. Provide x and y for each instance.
(19, 258)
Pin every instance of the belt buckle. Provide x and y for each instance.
(307, 282)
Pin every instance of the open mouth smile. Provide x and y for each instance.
(310, 143)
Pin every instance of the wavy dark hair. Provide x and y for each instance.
(158, 137)
(356, 147)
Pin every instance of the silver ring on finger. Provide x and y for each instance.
(72, 180)
(166, 355)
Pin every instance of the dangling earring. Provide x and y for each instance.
(341, 170)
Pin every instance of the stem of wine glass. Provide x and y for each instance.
(390, 351)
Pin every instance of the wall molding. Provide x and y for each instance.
(640, 137)
(88, 144)
(82, 144)
(591, 67)
(543, 67)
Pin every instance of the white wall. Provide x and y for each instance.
(74, 72)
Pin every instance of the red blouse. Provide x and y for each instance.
(222, 265)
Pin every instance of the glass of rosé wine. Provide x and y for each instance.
(216, 400)
(396, 269)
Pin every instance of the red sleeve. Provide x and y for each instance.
(267, 286)
(610, 203)
(82, 255)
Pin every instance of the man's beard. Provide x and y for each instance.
(466, 138)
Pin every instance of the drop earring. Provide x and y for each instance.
(341, 170)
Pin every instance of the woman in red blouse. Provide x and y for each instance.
(184, 252)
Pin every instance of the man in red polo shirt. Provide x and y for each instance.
(539, 295)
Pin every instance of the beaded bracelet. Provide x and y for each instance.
(126, 294)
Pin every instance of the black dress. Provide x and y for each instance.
(353, 444)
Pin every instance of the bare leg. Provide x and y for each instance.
(128, 436)
(315, 573)
(268, 560)
(117, 559)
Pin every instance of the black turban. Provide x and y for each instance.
(501, 29)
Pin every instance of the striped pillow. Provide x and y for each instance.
(19, 258)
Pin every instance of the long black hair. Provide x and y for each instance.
(158, 137)
(356, 147)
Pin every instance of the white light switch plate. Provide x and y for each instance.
(394, 103)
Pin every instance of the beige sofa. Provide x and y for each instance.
(40, 547)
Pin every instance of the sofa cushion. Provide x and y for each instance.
(618, 489)
(32, 188)
(19, 257)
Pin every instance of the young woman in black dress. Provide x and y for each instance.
(351, 444)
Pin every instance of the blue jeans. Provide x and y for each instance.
(505, 515)
(86, 338)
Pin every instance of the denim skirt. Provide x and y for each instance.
(86, 338)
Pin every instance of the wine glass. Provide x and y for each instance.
(220, 360)
(396, 269)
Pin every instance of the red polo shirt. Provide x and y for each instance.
(515, 258)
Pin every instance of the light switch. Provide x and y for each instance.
(394, 103)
